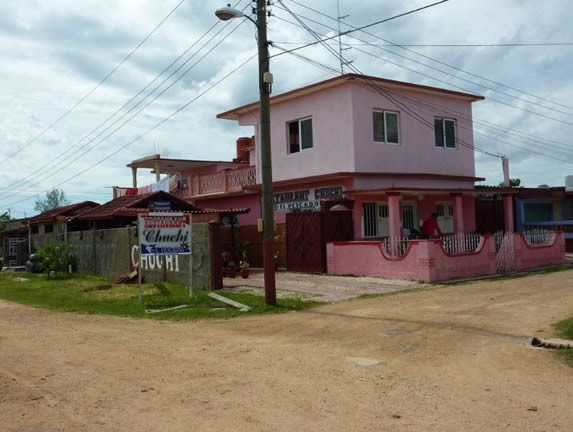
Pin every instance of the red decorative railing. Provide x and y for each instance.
(229, 180)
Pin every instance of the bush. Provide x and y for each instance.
(56, 258)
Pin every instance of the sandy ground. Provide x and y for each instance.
(321, 288)
(449, 359)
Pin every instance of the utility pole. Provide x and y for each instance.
(265, 82)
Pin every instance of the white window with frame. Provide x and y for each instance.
(385, 127)
(445, 132)
(445, 212)
(299, 135)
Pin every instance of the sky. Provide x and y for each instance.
(62, 127)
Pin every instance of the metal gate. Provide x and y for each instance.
(490, 214)
(308, 233)
(305, 242)
(505, 252)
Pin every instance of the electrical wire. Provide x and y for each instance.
(379, 89)
(46, 169)
(565, 147)
(136, 113)
(174, 113)
(449, 45)
(84, 97)
(362, 28)
(430, 58)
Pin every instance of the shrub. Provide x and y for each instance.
(56, 258)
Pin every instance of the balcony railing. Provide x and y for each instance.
(228, 180)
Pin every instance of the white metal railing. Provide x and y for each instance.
(395, 246)
(461, 243)
(505, 252)
(539, 236)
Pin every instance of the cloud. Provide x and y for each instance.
(55, 52)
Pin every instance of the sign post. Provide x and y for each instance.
(164, 233)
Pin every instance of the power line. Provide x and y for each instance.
(428, 57)
(382, 91)
(362, 28)
(174, 113)
(543, 44)
(47, 167)
(332, 70)
(452, 75)
(135, 106)
(84, 97)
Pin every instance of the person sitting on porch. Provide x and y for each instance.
(431, 226)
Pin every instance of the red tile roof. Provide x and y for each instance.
(62, 214)
(132, 205)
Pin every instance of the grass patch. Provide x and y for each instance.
(565, 328)
(95, 295)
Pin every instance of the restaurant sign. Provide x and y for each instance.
(306, 199)
(164, 233)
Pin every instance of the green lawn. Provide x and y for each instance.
(95, 295)
(565, 328)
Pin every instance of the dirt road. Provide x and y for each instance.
(449, 359)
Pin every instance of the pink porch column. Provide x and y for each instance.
(508, 212)
(458, 213)
(357, 218)
(394, 214)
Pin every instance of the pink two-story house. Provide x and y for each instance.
(393, 152)
(351, 137)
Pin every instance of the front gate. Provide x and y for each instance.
(307, 234)
(505, 252)
(490, 214)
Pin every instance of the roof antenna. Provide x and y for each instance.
(343, 61)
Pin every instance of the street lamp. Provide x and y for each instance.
(265, 82)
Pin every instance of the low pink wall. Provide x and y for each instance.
(530, 256)
(425, 260)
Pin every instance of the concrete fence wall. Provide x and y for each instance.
(426, 260)
(114, 252)
(528, 256)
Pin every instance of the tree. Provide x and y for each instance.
(4, 217)
(54, 199)
(513, 182)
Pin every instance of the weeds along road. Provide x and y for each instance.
(448, 359)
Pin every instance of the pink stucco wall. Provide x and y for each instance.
(530, 256)
(332, 150)
(425, 260)
(251, 201)
(343, 142)
(417, 151)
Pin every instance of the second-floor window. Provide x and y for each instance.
(445, 131)
(385, 127)
(299, 135)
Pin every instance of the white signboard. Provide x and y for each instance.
(164, 234)
(306, 199)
